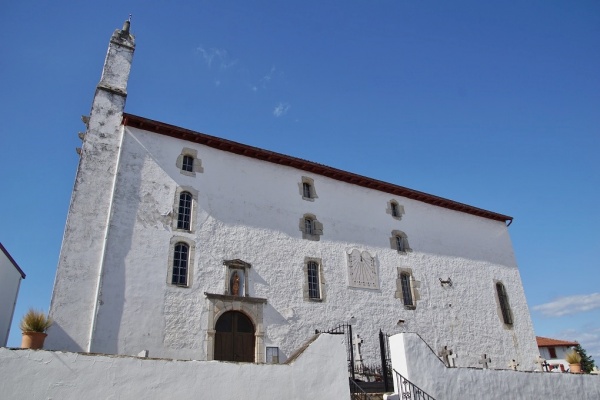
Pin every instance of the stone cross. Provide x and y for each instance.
(541, 362)
(444, 355)
(513, 365)
(357, 342)
(452, 360)
(485, 360)
(547, 367)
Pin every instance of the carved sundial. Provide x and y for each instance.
(362, 270)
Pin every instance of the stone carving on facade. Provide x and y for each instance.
(362, 270)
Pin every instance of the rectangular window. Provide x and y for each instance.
(184, 215)
(314, 291)
(406, 289)
(306, 190)
(180, 264)
(504, 305)
(552, 352)
(188, 163)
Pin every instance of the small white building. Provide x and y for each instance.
(554, 351)
(196, 247)
(10, 281)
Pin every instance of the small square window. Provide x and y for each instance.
(272, 355)
(188, 162)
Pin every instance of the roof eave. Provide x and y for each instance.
(305, 165)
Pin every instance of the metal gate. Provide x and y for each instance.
(382, 374)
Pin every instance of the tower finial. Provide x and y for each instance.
(127, 25)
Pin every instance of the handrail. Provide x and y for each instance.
(408, 390)
(356, 392)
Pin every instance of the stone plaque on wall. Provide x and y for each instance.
(362, 270)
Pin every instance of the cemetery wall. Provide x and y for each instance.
(412, 358)
(319, 372)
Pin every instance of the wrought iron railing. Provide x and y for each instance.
(386, 361)
(408, 390)
(356, 392)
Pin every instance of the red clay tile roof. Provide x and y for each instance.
(320, 169)
(547, 342)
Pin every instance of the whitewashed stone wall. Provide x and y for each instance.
(249, 209)
(412, 358)
(318, 373)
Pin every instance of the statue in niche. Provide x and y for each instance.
(235, 284)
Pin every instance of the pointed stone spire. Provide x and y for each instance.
(91, 201)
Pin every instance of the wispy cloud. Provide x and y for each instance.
(569, 305)
(217, 57)
(281, 109)
(264, 81)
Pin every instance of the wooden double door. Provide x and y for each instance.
(234, 337)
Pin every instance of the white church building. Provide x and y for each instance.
(191, 246)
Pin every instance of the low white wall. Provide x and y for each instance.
(318, 373)
(414, 359)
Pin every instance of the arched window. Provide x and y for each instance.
(311, 228)
(308, 226)
(406, 289)
(307, 189)
(180, 264)
(187, 163)
(314, 286)
(399, 242)
(184, 215)
(504, 305)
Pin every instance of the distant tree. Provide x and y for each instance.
(587, 362)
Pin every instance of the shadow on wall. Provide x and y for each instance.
(127, 203)
(58, 332)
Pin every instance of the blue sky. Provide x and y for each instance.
(494, 104)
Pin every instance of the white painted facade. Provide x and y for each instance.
(561, 352)
(31, 374)
(113, 293)
(10, 281)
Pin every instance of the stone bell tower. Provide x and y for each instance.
(78, 282)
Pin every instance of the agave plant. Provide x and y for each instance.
(35, 321)
(573, 357)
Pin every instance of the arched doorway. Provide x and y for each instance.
(234, 337)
